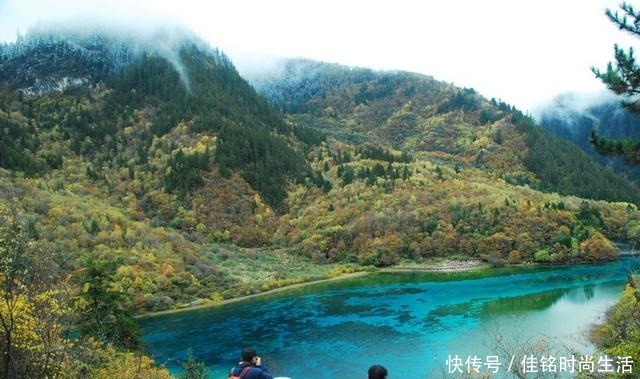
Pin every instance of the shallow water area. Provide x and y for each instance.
(410, 323)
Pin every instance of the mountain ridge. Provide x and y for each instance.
(415, 112)
(183, 170)
(132, 190)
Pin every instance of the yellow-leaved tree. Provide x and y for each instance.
(35, 318)
(31, 310)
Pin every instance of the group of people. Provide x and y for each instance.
(250, 367)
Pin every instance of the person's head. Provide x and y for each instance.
(248, 354)
(377, 372)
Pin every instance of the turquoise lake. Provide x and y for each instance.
(409, 323)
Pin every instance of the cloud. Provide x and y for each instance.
(571, 107)
(21, 15)
(522, 52)
(124, 41)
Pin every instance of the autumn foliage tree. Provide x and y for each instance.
(36, 325)
(31, 307)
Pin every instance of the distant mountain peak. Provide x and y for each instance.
(54, 57)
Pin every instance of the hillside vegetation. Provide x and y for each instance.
(152, 171)
(412, 112)
(138, 178)
(601, 127)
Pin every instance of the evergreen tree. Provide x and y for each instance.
(347, 175)
(193, 369)
(104, 312)
(406, 173)
(378, 171)
(185, 171)
(623, 79)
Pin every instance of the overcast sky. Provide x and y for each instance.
(521, 51)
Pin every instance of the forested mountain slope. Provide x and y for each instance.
(130, 159)
(161, 162)
(413, 112)
(142, 173)
(575, 117)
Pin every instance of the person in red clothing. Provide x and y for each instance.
(250, 367)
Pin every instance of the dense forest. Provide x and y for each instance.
(413, 112)
(601, 127)
(137, 177)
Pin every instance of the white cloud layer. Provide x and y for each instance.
(523, 52)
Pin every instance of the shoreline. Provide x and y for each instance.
(210, 304)
(444, 267)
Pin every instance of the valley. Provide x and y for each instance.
(138, 178)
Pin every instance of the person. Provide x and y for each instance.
(377, 372)
(250, 367)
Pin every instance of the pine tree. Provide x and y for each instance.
(348, 175)
(102, 311)
(406, 173)
(624, 80)
(193, 369)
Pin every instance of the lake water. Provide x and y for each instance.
(410, 323)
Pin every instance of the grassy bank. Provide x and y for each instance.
(258, 274)
(211, 303)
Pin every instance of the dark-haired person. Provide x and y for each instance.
(250, 367)
(377, 372)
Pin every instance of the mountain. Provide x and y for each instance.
(184, 80)
(110, 141)
(416, 113)
(140, 172)
(574, 116)
(55, 57)
(125, 160)
(153, 156)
